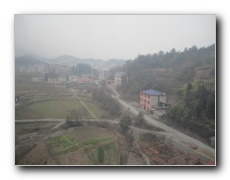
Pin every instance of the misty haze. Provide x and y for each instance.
(115, 90)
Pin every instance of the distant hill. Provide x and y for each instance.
(71, 60)
(65, 59)
(68, 60)
(27, 60)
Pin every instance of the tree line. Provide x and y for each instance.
(106, 102)
(196, 110)
(190, 75)
(165, 72)
(81, 69)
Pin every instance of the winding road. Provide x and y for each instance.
(183, 138)
(180, 137)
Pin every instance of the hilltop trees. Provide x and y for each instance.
(81, 69)
(166, 71)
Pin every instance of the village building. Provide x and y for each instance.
(85, 79)
(152, 99)
(109, 83)
(62, 79)
(95, 74)
(103, 74)
(40, 69)
(53, 78)
(37, 79)
(118, 77)
(73, 78)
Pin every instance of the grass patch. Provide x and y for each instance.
(42, 87)
(106, 154)
(100, 151)
(62, 144)
(48, 109)
(96, 141)
(99, 145)
(95, 109)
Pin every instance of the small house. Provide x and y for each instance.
(152, 99)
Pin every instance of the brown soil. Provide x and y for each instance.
(135, 159)
(37, 156)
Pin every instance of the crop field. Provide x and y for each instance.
(62, 144)
(99, 145)
(43, 88)
(49, 109)
(37, 143)
(46, 100)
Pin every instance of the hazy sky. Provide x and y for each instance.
(111, 36)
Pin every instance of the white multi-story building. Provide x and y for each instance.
(118, 77)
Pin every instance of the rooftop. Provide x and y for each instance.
(152, 92)
(119, 73)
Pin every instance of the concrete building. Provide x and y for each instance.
(53, 78)
(118, 77)
(73, 78)
(152, 99)
(103, 74)
(62, 79)
(37, 79)
(85, 79)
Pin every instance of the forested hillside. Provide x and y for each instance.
(189, 75)
(27, 61)
(168, 72)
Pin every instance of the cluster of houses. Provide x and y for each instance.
(118, 78)
(151, 101)
(44, 68)
(55, 78)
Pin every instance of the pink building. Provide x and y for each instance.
(152, 99)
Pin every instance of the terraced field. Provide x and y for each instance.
(85, 145)
(98, 144)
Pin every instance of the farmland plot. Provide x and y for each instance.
(98, 145)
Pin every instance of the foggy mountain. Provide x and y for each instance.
(27, 60)
(67, 60)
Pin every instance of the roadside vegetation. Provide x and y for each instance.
(106, 102)
(196, 110)
(188, 77)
